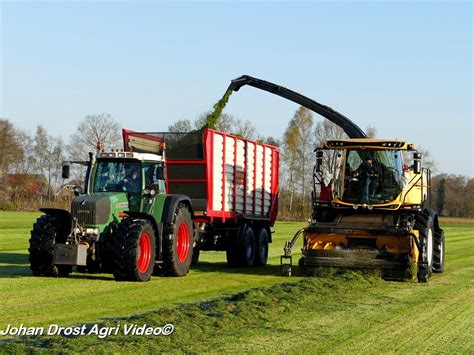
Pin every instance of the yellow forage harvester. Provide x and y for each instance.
(371, 210)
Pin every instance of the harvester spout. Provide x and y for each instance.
(349, 127)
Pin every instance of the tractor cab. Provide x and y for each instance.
(134, 174)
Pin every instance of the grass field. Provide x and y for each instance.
(215, 308)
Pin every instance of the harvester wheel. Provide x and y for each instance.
(424, 224)
(134, 249)
(46, 232)
(178, 246)
(261, 247)
(241, 251)
(438, 252)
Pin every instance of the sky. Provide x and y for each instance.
(404, 68)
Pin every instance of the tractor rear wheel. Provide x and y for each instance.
(178, 246)
(438, 251)
(46, 233)
(424, 224)
(134, 250)
(261, 247)
(241, 251)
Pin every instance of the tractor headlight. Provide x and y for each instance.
(92, 231)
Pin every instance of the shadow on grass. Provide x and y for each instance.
(221, 267)
(13, 271)
(13, 258)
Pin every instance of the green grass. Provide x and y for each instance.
(346, 312)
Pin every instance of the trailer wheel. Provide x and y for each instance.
(134, 249)
(261, 247)
(438, 252)
(241, 251)
(46, 232)
(178, 246)
(424, 224)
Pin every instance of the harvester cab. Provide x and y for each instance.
(370, 210)
(369, 174)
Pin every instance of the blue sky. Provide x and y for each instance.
(404, 68)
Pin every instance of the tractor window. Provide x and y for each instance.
(372, 176)
(154, 176)
(118, 176)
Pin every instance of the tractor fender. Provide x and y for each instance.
(170, 205)
(62, 215)
(142, 215)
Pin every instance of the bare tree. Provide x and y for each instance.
(180, 126)
(371, 131)
(298, 144)
(245, 129)
(10, 147)
(101, 128)
(225, 123)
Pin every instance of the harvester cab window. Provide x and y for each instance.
(372, 176)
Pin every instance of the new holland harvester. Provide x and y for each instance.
(370, 209)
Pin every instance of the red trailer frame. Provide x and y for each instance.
(210, 213)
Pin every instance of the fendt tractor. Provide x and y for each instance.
(369, 209)
(150, 207)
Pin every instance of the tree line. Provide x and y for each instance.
(30, 163)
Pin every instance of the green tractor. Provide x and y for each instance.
(122, 222)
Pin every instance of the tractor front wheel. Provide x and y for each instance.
(134, 250)
(178, 246)
(46, 233)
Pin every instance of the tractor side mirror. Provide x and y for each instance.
(66, 170)
(319, 160)
(417, 163)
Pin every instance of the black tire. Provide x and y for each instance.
(46, 232)
(195, 259)
(241, 251)
(261, 247)
(424, 224)
(178, 246)
(438, 251)
(104, 250)
(134, 250)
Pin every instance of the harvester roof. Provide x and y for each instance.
(367, 143)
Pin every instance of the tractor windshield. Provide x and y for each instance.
(118, 176)
(371, 176)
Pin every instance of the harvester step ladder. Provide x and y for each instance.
(286, 260)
